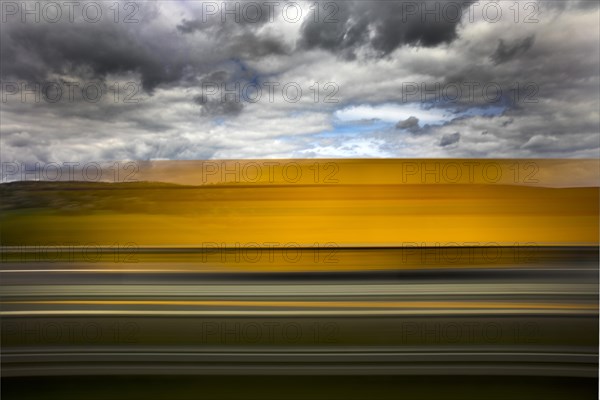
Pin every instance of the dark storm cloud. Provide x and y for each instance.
(217, 77)
(224, 16)
(383, 25)
(251, 46)
(33, 52)
(187, 26)
(218, 107)
(411, 124)
(151, 125)
(161, 55)
(90, 51)
(239, 38)
(452, 138)
(505, 52)
(212, 101)
(553, 144)
(237, 31)
(18, 139)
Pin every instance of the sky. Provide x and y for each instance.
(177, 80)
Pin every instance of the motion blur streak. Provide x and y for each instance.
(532, 321)
(349, 304)
(154, 291)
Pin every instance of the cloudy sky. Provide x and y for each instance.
(211, 80)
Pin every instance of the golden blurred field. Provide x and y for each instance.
(355, 214)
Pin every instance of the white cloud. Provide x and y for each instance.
(395, 112)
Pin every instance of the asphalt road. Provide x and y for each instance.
(524, 329)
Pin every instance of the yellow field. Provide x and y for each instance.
(149, 214)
